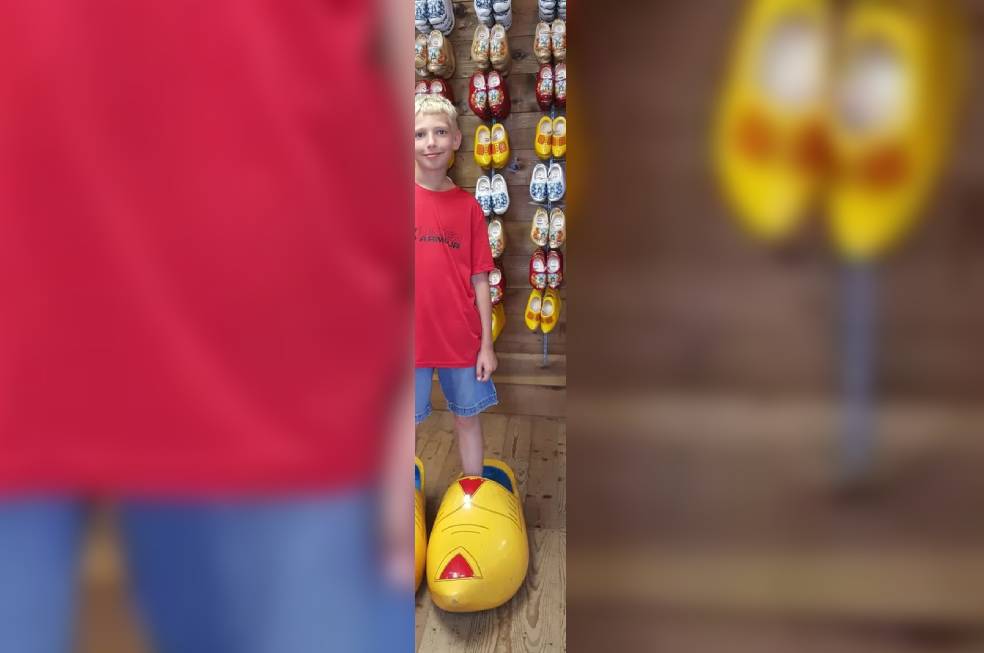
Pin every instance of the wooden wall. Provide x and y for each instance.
(703, 519)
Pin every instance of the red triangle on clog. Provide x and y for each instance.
(470, 485)
(457, 568)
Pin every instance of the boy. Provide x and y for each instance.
(453, 308)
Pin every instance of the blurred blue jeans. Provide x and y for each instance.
(296, 575)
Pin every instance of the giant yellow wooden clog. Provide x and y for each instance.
(419, 525)
(897, 93)
(478, 551)
(770, 144)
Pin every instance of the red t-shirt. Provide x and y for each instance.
(197, 238)
(452, 244)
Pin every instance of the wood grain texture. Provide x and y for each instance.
(731, 533)
(535, 400)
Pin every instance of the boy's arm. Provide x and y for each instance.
(487, 362)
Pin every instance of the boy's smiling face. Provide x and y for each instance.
(435, 138)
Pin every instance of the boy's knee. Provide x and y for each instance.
(465, 421)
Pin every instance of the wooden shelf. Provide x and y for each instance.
(527, 369)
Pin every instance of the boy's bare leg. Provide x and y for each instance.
(470, 445)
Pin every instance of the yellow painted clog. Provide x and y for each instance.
(897, 93)
(543, 141)
(478, 552)
(533, 306)
(419, 525)
(483, 146)
(500, 146)
(770, 143)
(558, 141)
(550, 311)
(498, 320)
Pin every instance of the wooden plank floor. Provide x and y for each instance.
(535, 619)
(718, 525)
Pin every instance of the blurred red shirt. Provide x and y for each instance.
(203, 245)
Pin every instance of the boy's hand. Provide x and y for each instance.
(486, 364)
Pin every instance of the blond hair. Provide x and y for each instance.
(424, 104)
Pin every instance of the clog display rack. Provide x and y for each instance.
(548, 185)
(489, 100)
(434, 59)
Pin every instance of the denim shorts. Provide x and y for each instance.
(277, 575)
(466, 395)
